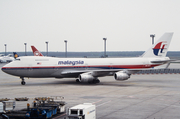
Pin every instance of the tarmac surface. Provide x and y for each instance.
(140, 97)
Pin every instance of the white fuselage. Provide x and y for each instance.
(36, 66)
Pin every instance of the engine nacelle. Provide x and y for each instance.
(121, 76)
(86, 78)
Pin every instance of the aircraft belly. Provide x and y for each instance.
(30, 72)
(40, 73)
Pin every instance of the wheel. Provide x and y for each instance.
(23, 82)
(77, 80)
(97, 81)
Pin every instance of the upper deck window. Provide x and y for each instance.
(41, 59)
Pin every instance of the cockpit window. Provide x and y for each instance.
(41, 59)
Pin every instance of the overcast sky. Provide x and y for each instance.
(127, 24)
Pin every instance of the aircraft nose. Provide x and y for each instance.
(3, 69)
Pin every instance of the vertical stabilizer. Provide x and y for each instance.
(160, 48)
(15, 55)
(36, 52)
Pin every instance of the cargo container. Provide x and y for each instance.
(82, 111)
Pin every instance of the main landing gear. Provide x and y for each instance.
(22, 82)
(94, 81)
(77, 80)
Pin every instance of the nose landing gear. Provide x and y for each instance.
(22, 82)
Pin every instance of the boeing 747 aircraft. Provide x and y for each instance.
(89, 69)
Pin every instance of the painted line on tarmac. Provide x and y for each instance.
(97, 102)
(103, 103)
(8, 82)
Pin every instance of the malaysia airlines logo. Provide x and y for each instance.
(70, 62)
(158, 49)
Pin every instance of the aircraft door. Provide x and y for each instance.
(111, 66)
(86, 66)
(30, 70)
(146, 64)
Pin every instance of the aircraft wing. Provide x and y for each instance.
(72, 73)
(98, 73)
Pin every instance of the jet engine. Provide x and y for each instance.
(121, 75)
(86, 78)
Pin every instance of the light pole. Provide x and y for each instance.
(5, 49)
(25, 48)
(65, 48)
(104, 46)
(152, 35)
(46, 48)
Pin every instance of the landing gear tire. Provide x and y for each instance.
(22, 82)
(95, 81)
(77, 80)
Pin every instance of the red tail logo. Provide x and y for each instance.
(35, 51)
(159, 47)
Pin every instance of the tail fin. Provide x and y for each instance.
(160, 48)
(36, 52)
(15, 55)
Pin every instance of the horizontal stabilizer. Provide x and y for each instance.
(163, 61)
